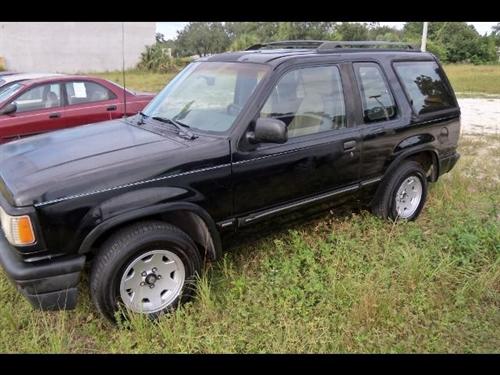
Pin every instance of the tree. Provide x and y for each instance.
(304, 30)
(453, 41)
(384, 33)
(352, 31)
(202, 38)
(157, 59)
(496, 29)
(496, 34)
(243, 41)
(260, 31)
(160, 38)
(463, 43)
(414, 29)
(272, 31)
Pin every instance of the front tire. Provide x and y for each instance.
(148, 267)
(402, 195)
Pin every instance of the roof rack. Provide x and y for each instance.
(369, 44)
(328, 46)
(292, 44)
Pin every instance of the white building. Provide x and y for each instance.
(72, 47)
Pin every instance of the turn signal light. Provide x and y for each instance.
(17, 229)
(23, 231)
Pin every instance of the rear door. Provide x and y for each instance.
(39, 109)
(88, 102)
(404, 104)
(381, 117)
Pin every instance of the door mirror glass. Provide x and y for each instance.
(9, 108)
(268, 130)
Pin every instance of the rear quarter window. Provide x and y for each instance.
(424, 84)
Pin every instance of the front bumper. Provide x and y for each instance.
(48, 284)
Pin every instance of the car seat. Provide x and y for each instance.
(51, 100)
(314, 111)
(98, 95)
(284, 100)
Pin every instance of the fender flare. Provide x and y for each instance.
(405, 153)
(113, 222)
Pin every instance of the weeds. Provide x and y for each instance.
(340, 283)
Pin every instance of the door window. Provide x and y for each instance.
(87, 92)
(378, 103)
(40, 97)
(308, 100)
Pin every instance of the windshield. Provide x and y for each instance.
(207, 95)
(9, 90)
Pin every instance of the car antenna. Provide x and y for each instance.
(123, 72)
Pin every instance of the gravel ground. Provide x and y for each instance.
(480, 115)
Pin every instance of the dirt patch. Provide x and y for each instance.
(480, 115)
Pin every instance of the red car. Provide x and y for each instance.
(61, 101)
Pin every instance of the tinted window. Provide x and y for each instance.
(40, 97)
(425, 86)
(86, 92)
(378, 103)
(308, 100)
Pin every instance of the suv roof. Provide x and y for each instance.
(276, 52)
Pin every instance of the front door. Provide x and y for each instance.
(322, 153)
(39, 109)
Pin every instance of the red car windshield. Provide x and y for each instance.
(9, 90)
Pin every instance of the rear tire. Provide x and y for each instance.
(402, 194)
(148, 267)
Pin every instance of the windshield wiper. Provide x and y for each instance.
(182, 128)
(141, 119)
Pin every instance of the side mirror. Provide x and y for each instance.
(8, 109)
(268, 130)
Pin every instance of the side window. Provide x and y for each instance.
(378, 103)
(308, 100)
(87, 92)
(40, 97)
(424, 85)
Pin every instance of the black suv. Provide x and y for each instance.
(233, 141)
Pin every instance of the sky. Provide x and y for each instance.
(169, 29)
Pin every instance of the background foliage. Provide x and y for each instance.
(452, 42)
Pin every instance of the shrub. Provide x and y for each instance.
(437, 49)
(156, 58)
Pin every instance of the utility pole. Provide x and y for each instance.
(424, 37)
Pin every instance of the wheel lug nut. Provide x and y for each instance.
(158, 277)
(143, 283)
(143, 273)
(154, 269)
(152, 286)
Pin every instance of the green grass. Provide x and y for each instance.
(345, 282)
(138, 80)
(471, 80)
(467, 80)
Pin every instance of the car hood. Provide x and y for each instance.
(60, 163)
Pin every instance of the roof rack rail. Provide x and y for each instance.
(291, 44)
(368, 44)
(326, 46)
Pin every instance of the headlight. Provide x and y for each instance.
(18, 229)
